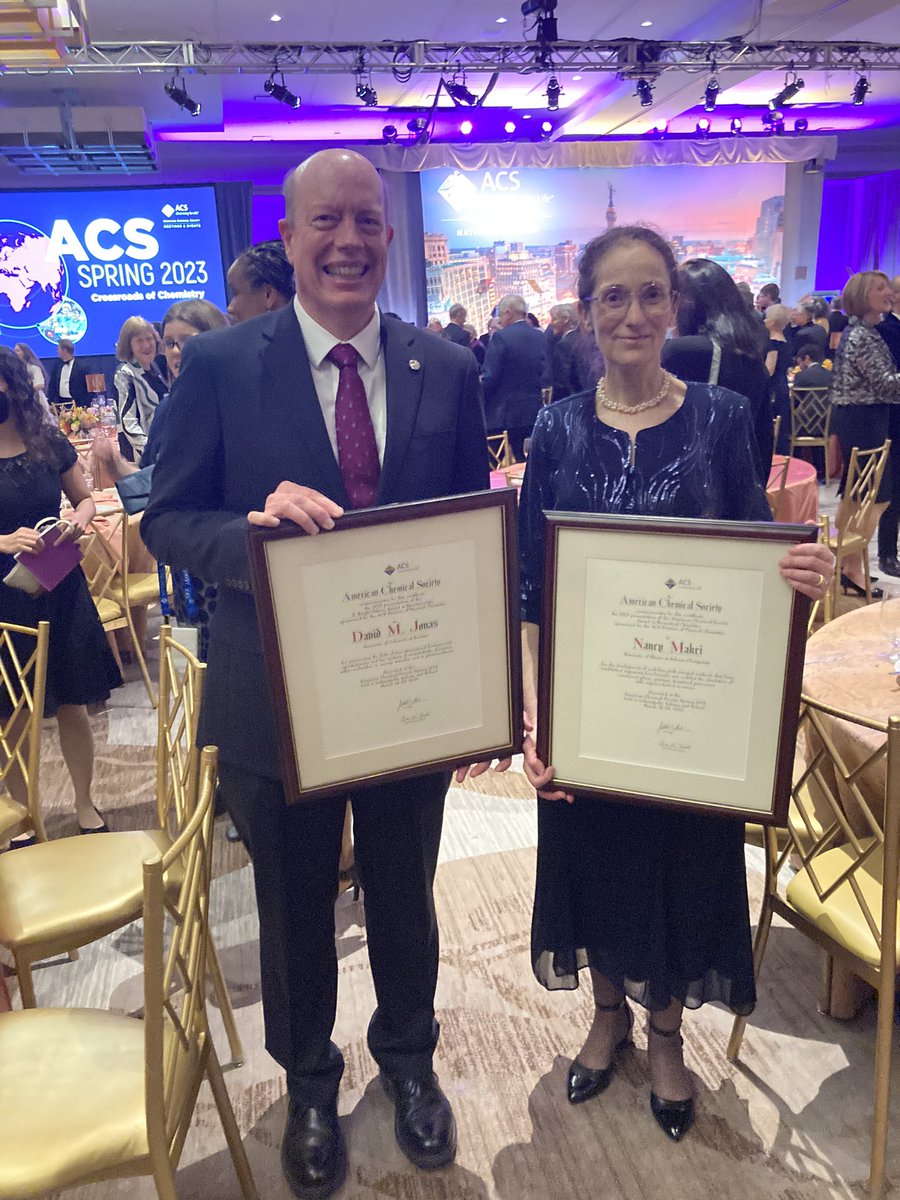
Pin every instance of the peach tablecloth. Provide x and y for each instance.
(801, 494)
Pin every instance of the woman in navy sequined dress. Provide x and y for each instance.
(654, 902)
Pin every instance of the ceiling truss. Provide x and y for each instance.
(627, 58)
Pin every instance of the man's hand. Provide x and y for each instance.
(304, 506)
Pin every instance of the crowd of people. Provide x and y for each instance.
(662, 381)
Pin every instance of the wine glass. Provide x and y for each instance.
(890, 620)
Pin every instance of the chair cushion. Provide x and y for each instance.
(13, 817)
(71, 1095)
(68, 892)
(108, 610)
(840, 916)
(142, 590)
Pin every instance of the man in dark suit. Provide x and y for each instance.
(562, 372)
(514, 366)
(812, 374)
(261, 433)
(68, 379)
(453, 330)
(803, 328)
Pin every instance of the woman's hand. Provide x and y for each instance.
(536, 772)
(809, 568)
(75, 526)
(23, 539)
(473, 770)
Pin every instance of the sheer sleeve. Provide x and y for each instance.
(536, 498)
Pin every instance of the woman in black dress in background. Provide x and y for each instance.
(653, 902)
(36, 465)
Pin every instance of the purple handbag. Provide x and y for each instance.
(41, 572)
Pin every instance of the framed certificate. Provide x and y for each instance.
(392, 641)
(671, 661)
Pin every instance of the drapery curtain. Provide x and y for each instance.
(403, 290)
(860, 228)
(234, 205)
(715, 152)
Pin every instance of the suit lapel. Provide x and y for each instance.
(404, 391)
(291, 406)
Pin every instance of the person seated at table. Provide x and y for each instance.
(194, 599)
(778, 362)
(810, 371)
(721, 341)
(260, 280)
(36, 464)
(139, 385)
(653, 902)
(865, 386)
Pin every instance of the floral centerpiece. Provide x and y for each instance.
(78, 420)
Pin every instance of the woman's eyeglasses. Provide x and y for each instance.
(652, 298)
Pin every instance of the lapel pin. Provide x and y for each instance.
(415, 365)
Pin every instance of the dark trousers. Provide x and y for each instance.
(866, 426)
(295, 850)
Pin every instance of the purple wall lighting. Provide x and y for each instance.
(860, 228)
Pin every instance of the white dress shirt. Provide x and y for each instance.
(367, 343)
(64, 392)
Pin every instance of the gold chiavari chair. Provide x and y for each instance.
(73, 891)
(105, 566)
(845, 840)
(546, 395)
(23, 680)
(857, 516)
(499, 451)
(102, 1096)
(811, 420)
(777, 484)
(776, 429)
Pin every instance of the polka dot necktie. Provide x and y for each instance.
(357, 448)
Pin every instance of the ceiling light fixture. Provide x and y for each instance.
(459, 93)
(646, 24)
(661, 129)
(801, 125)
(509, 128)
(773, 122)
(175, 91)
(736, 125)
(546, 130)
(792, 85)
(364, 89)
(279, 92)
(644, 92)
(389, 133)
(703, 126)
(861, 89)
(465, 128)
(553, 93)
(275, 17)
(418, 127)
(501, 20)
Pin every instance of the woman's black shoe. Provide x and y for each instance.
(674, 1117)
(851, 588)
(584, 1082)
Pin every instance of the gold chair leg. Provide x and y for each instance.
(139, 654)
(883, 1047)
(26, 983)
(230, 1125)
(164, 1178)
(217, 979)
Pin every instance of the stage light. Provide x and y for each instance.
(509, 128)
(773, 122)
(366, 93)
(546, 130)
(465, 128)
(389, 133)
(787, 93)
(280, 93)
(661, 129)
(552, 93)
(702, 127)
(711, 95)
(861, 89)
(418, 127)
(801, 125)
(176, 92)
(644, 92)
(736, 125)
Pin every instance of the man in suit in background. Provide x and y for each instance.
(812, 374)
(453, 330)
(514, 366)
(295, 416)
(68, 379)
(562, 370)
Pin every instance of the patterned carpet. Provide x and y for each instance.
(789, 1123)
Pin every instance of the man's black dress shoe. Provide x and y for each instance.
(424, 1124)
(889, 566)
(313, 1154)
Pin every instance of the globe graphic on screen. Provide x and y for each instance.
(33, 277)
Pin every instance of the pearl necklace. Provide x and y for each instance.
(615, 406)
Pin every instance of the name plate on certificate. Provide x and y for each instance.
(671, 662)
(392, 641)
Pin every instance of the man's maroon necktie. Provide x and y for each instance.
(357, 448)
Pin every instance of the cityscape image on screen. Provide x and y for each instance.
(492, 232)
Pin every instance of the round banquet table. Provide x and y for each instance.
(801, 494)
(846, 666)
